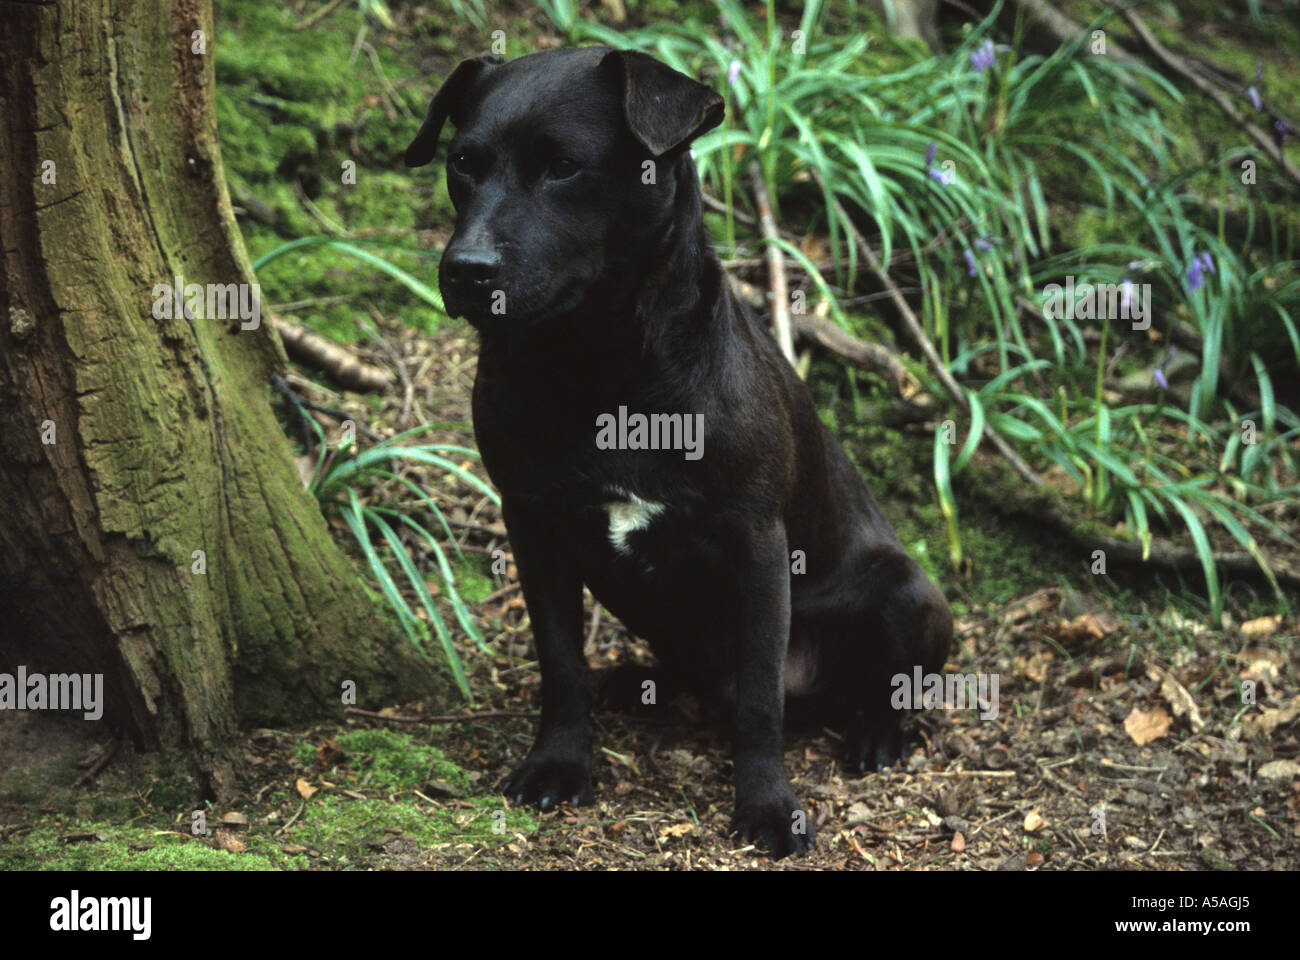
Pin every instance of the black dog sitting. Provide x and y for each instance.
(650, 441)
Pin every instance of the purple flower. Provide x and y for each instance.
(941, 176)
(1207, 261)
(1255, 101)
(983, 245)
(733, 72)
(971, 267)
(1159, 371)
(983, 58)
(931, 152)
(1195, 279)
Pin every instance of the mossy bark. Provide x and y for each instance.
(164, 442)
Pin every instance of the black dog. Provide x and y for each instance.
(581, 258)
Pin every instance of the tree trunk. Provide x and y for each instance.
(155, 529)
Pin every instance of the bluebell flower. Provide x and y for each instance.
(983, 245)
(983, 57)
(943, 177)
(1159, 371)
(1207, 261)
(1195, 278)
(1255, 101)
(733, 72)
(931, 152)
(971, 266)
(1125, 295)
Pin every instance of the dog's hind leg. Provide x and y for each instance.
(900, 622)
(631, 688)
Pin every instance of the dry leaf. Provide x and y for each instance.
(330, 754)
(1087, 627)
(1279, 770)
(1145, 726)
(1261, 626)
(1176, 695)
(1033, 605)
(1035, 859)
(677, 830)
(1033, 821)
(1268, 720)
(305, 789)
(229, 842)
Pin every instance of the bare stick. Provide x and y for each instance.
(775, 266)
(443, 718)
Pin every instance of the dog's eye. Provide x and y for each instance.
(460, 165)
(562, 169)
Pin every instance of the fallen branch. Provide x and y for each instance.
(310, 349)
(775, 266)
(922, 341)
(441, 718)
(873, 357)
(318, 16)
(1047, 511)
(1262, 140)
(104, 760)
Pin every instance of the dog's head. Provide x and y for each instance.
(562, 171)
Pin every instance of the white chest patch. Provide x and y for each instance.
(628, 515)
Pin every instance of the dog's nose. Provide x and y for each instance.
(474, 265)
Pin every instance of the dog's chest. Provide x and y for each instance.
(627, 514)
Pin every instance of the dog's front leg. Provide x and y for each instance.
(766, 807)
(558, 767)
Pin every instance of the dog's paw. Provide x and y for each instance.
(873, 746)
(780, 825)
(546, 782)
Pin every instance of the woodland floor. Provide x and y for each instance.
(1121, 743)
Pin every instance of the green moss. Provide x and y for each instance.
(304, 753)
(389, 760)
(292, 108)
(344, 826)
(121, 848)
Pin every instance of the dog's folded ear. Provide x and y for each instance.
(664, 108)
(445, 104)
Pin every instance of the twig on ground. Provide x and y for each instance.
(874, 357)
(442, 718)
(310, 349)
(104, 760)
(318, 16)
